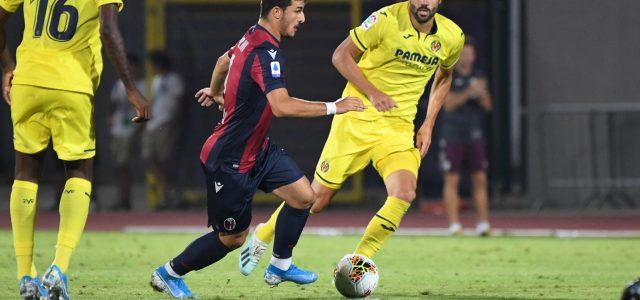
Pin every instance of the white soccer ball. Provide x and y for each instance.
(355, 276)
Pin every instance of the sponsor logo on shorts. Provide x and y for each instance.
(229, 224)
(324, 166)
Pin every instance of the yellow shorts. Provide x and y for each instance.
(40, 113)
(353, 143)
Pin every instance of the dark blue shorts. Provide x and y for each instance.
(229, 193)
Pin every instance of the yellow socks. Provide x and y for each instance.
(267, 231)
(382, 226)
(23, 216)
(74, 208)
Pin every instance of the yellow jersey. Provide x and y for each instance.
(399, 60)
(61, 47)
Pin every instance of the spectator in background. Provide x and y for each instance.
(160, 134)
(462, 143)
(123, 132)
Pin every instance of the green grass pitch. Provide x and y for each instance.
(119, 265)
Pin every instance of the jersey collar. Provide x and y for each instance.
(258, 26)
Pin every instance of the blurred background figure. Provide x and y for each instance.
(123, 132)
(160, 134)
(462, 142)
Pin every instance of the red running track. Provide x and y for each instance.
(352, 218)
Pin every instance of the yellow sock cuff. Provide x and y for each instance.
(23, 249)
(80, 183)
(398, 203)
(27, 185)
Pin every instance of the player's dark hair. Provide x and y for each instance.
(160, 59)
(267, 5)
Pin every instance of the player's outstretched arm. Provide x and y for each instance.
(284, 105)
(215, 92)
(439, 91)
(6, 62)
(114, 45)
(344, 60)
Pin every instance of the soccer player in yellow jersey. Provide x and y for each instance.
(50, 90)
(401, 47)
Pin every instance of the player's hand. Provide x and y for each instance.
(382, 102)
(423, 140)
(141, 105)
(348, 104)
(206, 98)
(7, 77)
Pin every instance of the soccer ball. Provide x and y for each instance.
(355, 276)
(632, 292)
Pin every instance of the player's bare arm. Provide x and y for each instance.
(214, 93)
(6, 62)
(439, 91)
(344, 60)
(284, 105)
(114, 45)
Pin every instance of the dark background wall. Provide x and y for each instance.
(198, 34)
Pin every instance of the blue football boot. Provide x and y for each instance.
(274, 276)
(162, 281)
(55, 281)
(32, 289)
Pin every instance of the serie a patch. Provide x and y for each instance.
(275, 69)
(370, 21)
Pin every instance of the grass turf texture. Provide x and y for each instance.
(119, 265)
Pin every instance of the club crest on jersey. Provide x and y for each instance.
(275, 69)
(435, 46)
(370, 21)
(324, 166)
(229, 223)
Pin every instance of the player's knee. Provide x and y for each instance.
(405, 194)
(234, 241)
(307, 199)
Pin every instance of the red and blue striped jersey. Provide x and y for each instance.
(240, 138)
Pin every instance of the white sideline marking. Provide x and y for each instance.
(340, 231)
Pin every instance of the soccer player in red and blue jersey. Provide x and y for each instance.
(238, 159)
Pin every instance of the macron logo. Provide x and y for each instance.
(218, 186)
(273, 53)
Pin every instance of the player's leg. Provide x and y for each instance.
(451, 157)
(478, 167)
(31, 136)
(298, 198)
(400, 171)
(23, 206)
(72, 130)
(323, 195)
(229, 196)
(334, 167)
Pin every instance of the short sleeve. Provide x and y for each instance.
(267, 67)
(454, 53)
(369, 33)
(104, 2)
(10, 5)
